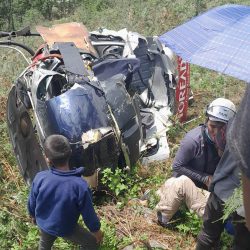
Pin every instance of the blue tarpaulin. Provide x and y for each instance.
(218, 39)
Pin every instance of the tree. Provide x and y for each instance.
(6, 13)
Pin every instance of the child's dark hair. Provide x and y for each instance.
(57, 149)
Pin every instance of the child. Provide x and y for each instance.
(58, 196)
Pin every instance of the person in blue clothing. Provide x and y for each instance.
(59, 196)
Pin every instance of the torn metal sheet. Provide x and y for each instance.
(67, 32)
(95, 135)
(23, 138)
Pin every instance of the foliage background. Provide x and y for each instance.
(148, 17)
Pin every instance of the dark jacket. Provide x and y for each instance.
(238, 135)
(58, 198)
(197, 157)
(226, 176)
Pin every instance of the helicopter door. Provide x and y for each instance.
(28, 152)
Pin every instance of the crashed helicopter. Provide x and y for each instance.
(109, 92)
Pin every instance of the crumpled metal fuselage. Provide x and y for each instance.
(111, 100)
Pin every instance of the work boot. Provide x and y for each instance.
(162, 219)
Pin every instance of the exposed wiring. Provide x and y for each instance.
(18, 50)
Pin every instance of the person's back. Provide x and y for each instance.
(58, 197)
(239, 145)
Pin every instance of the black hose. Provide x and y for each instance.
(4, 34)
(31, 51)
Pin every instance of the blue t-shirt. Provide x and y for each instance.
(56, 200)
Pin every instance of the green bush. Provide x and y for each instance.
(110, 240)
(121, 182)
(191, 223)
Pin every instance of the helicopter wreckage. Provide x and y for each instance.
(109, 92)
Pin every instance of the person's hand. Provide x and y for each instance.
(209, 180)
(220, 152)
(99, 236)
(33, 220)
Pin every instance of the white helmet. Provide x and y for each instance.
(221, 110)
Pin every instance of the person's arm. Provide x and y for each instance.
(90, 217)
(246, 198)
(32, 202)
(99, 236)
(181, 165)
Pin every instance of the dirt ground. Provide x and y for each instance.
(138, 222)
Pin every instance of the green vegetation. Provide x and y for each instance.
(191, 223)
(233, 203)
(148, 17)
(121, 182)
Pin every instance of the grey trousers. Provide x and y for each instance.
(80, 236)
